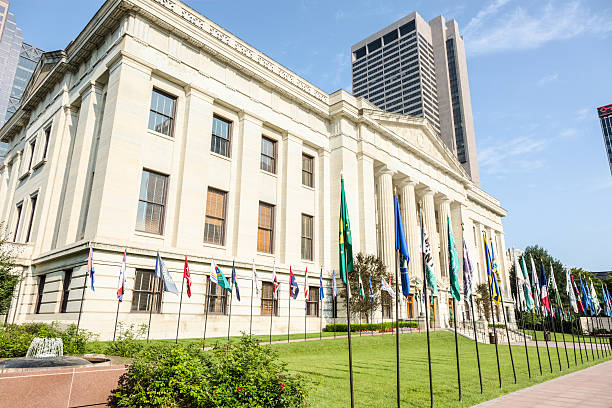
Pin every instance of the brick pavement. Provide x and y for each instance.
(586, 388)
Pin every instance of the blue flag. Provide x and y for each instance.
(334, 288)
(90, 267)
(162, 272)
(371, 290)
(235, 282)
(586, 296)
(400, 245)
(294, 289)
(321, 294)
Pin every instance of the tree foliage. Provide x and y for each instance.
(8, 278)
(368, 265)
(483, 301)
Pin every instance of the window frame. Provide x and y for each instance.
(172, 118)
(224, 219)
(47, 132)
(266, 300)
(310, 219)
(271, 229)
(33, 202)
(223, 296)
(273, 158)
(162, 224)
(39, 293)
(154, 293)
(66, 290)
(230, 127)
(32, 144)
(313, 301)
(386, 305)
(19, 209)
(306, 173)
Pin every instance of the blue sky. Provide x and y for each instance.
(537, 72)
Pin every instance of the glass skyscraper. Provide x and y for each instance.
(17, 62)
(605, 117)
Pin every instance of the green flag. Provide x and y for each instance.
(345, 242)
(361, 291)
(453, 264)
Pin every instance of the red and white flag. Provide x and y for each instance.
(121, 283)
(306, 284)
(274, 280)
(187, 276)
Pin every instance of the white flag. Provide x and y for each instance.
(255, 280)
(213, 272)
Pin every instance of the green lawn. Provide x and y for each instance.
(568, 337)
(326, 364)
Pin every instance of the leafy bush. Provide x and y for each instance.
(243, 375)
(128, 342)
(368, 326)
(498, 325)
(15, 339)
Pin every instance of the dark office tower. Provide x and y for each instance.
(418, 68)
(605, 117)
(28, 58)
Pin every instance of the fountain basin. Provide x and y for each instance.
(43, 362)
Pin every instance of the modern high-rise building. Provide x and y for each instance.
(417, 68)
(605, 117)
(17, 62)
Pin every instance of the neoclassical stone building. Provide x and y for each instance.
(158, 130)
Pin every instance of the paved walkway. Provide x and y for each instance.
(586, 388)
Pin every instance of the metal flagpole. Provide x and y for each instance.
(207, 307)
(82, 301)
(251, 319)
(525, 341)
(574, 342)
(563, 334)
(546, 340)
(591, 329)
(397, 361)
(588, 335)
(289, 318)
(178, 322)
(320, 317)
(456, 348)
(305, 314)
(350, 349)
(501, 294)
(272, 308)
(494, 330)
(598, 339)
(116, 319)
(535, 336)
(554, 327)
(229, 319)
(426, 308)
(604, 348)
(581, 330)
(476, 341)
(334, 312)
(150, 297)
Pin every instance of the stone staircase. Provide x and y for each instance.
(482, 334)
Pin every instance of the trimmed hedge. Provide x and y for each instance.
(368, 326)
(498, 325)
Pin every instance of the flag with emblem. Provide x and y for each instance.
(187, 277)
(453, 264)
(345, 241)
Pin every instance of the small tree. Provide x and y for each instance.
(483, 302)
(8, 278)
(367, 265)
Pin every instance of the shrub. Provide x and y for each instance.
(243, 375)
(128, 343)
(15, 339)
(368, 326)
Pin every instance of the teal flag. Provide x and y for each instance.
(345, 241)
(453, 264)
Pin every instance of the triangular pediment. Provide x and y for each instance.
(47, 61)
(420, 136)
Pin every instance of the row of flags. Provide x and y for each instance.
(582, 300)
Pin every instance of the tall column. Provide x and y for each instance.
(366, 204)
(444, 213)
(385, 200)
(429, 219)
(291, 218)
(324, 221)
(409, 216)
(3, 189)
(11, 186)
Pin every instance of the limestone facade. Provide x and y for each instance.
(82, 139)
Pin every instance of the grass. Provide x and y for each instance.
(326, 364)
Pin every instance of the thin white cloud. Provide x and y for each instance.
(493, 30)
(512, 156)
(547, 79)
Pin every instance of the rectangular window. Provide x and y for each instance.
(386, 305)
(269, 302)
(307, 170)
(147, 293)
(152, 202)
(214, 224)
(312, 304)
(307, 235)
(268, 155)
(265, 229)
(66, 291)
(221, 132)
(33, 209)
(32, 151)
(19, 208)
(39, 294)
(161, 116)
(217, 298)
(47, 137)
